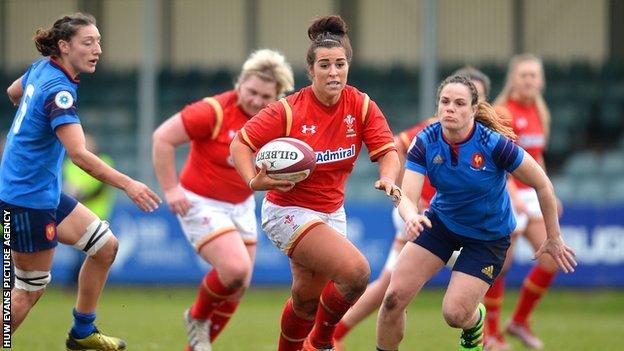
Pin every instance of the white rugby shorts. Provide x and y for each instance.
(208, 218)
(286, 225)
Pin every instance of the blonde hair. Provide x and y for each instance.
(485, 114)
(270, 66)
(540, 103)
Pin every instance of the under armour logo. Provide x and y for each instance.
(305, 129)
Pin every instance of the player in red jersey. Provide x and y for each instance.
(307, 220)
(531, 122)
(215, 206)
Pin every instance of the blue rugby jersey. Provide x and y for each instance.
(470, 179)
(30, 175)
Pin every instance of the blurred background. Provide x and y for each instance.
(160, 55)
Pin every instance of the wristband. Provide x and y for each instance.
(249, 184)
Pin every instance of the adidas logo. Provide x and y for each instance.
(488, 271)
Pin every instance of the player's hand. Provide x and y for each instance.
(392, 190)
(177, 201)
(414, 225)
(262, 181)
(560, 252)
(142, 196)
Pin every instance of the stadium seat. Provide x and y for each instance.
(590, 190)
(582, 165)
(565, 188)
(612, 164)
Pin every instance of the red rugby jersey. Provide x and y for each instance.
(406, 138)
(335, 133)
(528, 128)
(212, 123)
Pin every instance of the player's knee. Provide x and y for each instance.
(355, 280)
(390, 302)
(107, 253)
(304, 306)
(33, 283)
(456, 316)
(235, 274)
(97, 237)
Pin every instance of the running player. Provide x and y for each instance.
(307, 220)
(531, 122)
(214, 205)
(46, 125)
(466, 156)
(372, 297)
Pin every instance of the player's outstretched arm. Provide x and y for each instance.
(389, 169)
(165, 139)
(412, 188)
(530, 173)
(72, 138)
(15, 91)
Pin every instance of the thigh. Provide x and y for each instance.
(30, 230)
(33, 261)
(414, 267)
(244, 217)
(323, 250)
(286, 226)
(226, 249)
(465, 291)
(74, 225)
(206, 220)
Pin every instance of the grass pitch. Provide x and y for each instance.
(151, 319)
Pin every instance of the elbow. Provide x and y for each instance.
(78, 156)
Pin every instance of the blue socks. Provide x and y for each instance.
(83, 324)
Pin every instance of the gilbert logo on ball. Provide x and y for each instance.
(287, 158)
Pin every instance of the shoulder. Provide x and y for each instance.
(303, 95)
(226, 99)
(486, 136)
(431, 133)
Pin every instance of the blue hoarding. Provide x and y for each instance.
(153, 249)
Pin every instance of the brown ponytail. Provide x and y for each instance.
(489, 118)
(46, 40)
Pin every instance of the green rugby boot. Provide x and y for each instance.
(95, 342)
(472, 339)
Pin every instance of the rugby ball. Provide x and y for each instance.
(287, 158)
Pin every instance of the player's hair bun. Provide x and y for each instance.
(328, 24)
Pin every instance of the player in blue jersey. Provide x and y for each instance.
(46, 125)
(466, 156)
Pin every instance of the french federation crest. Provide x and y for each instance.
(477, 161)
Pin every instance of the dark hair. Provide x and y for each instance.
(485, 112)
(328, 32)
(64, 28)
(474, 74)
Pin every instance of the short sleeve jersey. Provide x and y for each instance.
(335, 133)
(30, 175)
(211, 124)
(406, 137)
(528, 127)
(470, 179)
